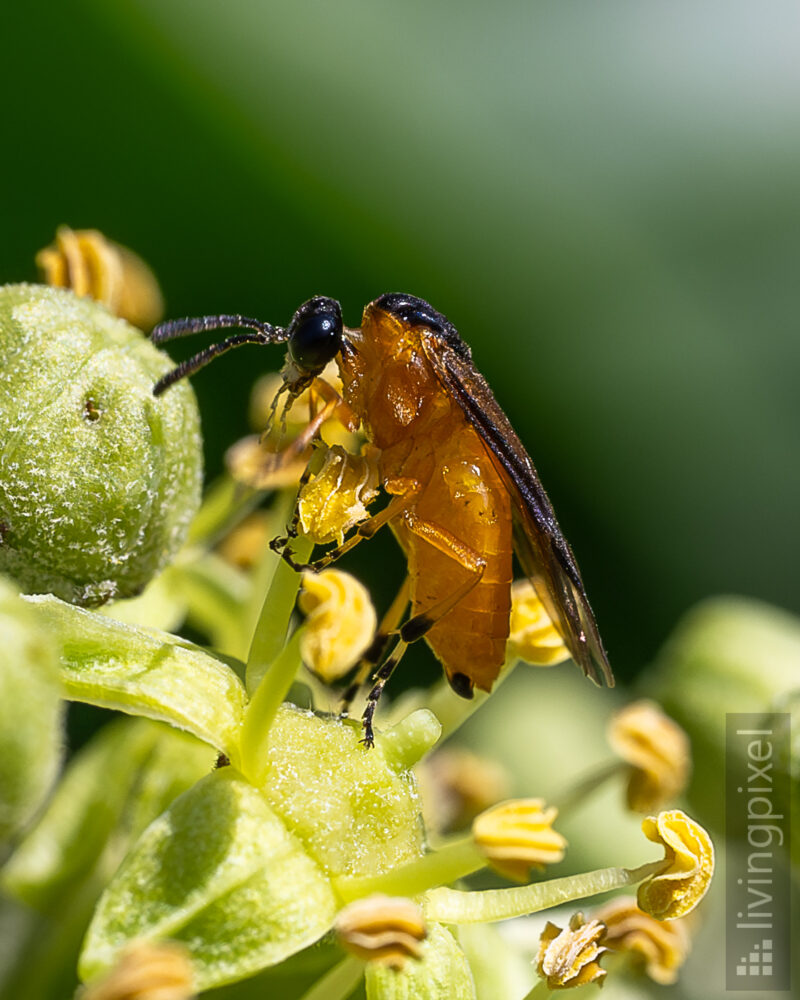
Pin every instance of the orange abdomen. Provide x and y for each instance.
(463, 495)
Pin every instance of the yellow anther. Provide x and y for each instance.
(91, 265)
(336, 499)
(265, 390)
(146, 971)
(456, 785)
(570, 957)
(340, 622)
(689, 865)
(252, 462)
(657, 750)
(659, 948)
(533, 637)
(517, 835)
(384, 929)
(243, 546)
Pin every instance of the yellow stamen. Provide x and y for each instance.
(533, 637)
(243, 547)
(570, 957)
(456, 785)
(336, 499)
(146, 971)
(384, 929)
(689, 865)
(657, 750)
(340, 622)
(91, 265)
(659, 948)
(517, 835)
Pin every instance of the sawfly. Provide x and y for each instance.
(465, 495)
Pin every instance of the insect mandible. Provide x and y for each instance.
(465, 495)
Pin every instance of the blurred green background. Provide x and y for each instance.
(604, 198)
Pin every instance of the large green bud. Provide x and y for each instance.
(98, 478)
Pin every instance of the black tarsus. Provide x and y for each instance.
(462, 685)
(416, 627)
(381, 677)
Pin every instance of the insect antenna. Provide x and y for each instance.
(261, 333)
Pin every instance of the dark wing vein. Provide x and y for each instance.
(543, 552)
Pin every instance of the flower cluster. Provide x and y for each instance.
(237, 828)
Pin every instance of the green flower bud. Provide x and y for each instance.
(30, 712)
(443, 973)
(246, 877)
(220, 873)
(98, 478)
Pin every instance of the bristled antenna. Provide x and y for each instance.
(261, 333)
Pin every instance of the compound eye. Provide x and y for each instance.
(315, 334)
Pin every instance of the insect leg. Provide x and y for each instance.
(405, 490)
(464, 554)
(382, 675)
(377, 648)
(307, 435)
(416, 626)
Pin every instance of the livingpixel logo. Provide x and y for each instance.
(758, 945)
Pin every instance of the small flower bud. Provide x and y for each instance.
(336, 499)
(517, 835)
(570, 957)
(98, 478)
(689, 857)
(657, 750)
(146, 971)
(90, 265)
(659, 948)
(533, 638)
(340, 622)
(384, 929)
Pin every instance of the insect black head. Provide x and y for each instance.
(315, 334)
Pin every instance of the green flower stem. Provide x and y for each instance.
(541, 991)
(264, 704)
(276, 612)
(339, 982)
(457, 860)
(449, 906)
(265, 563)
(584, 787)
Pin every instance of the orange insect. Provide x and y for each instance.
(465, 493)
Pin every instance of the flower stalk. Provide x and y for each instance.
(454, 861)
(263, 707)
(273, 622)
(452, 906)
(585, 786)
